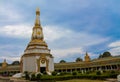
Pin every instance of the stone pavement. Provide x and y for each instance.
(111, 80)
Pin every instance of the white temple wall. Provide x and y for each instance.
(29, 64)
(51, 64)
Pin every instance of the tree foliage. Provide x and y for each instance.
(62, 61)
(105, 54)
(15, 63)
(78, 59)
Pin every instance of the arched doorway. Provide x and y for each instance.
(42, 69)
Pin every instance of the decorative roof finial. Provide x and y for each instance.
(37, 11)
(87, 58)
(86, 54)
(4, 64)
(37, 21)
(4, 60)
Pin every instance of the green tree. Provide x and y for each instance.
(15, 63)
(105, 54)
(100, 56)
(62, 61)
(78, 59)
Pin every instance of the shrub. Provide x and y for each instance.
(74, 73)
(45, 73)
(38, 77)
(62, 73)
(54, 73)
(88, 72)
(98, 73)
(79, 72)
(112, 72)
(104, 71)
(26, 75)
(68, 77)
(33, 77)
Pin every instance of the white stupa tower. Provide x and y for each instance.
(37, 57)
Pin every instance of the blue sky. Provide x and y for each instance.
(71, 27)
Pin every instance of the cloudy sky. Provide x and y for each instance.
(71, 27)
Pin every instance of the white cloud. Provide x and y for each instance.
(60, 53)
(114, 44)
(25, 31)
(2, 47)
(68, 37)
(17, 31)
(115, 51)
(60, 38)
(68, 42)
(71, 53)
(9, 13)
(115, 48)
(10, 52)
(8, 58)
(55, 32)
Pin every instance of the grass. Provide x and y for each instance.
(81, 80)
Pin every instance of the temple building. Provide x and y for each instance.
(37, 57)
(102, 64)
(9, 69)
(107, 64)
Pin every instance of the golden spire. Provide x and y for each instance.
(86, 54)
(37, 29)
(4, 64)
(37, 21)
(87, 58)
